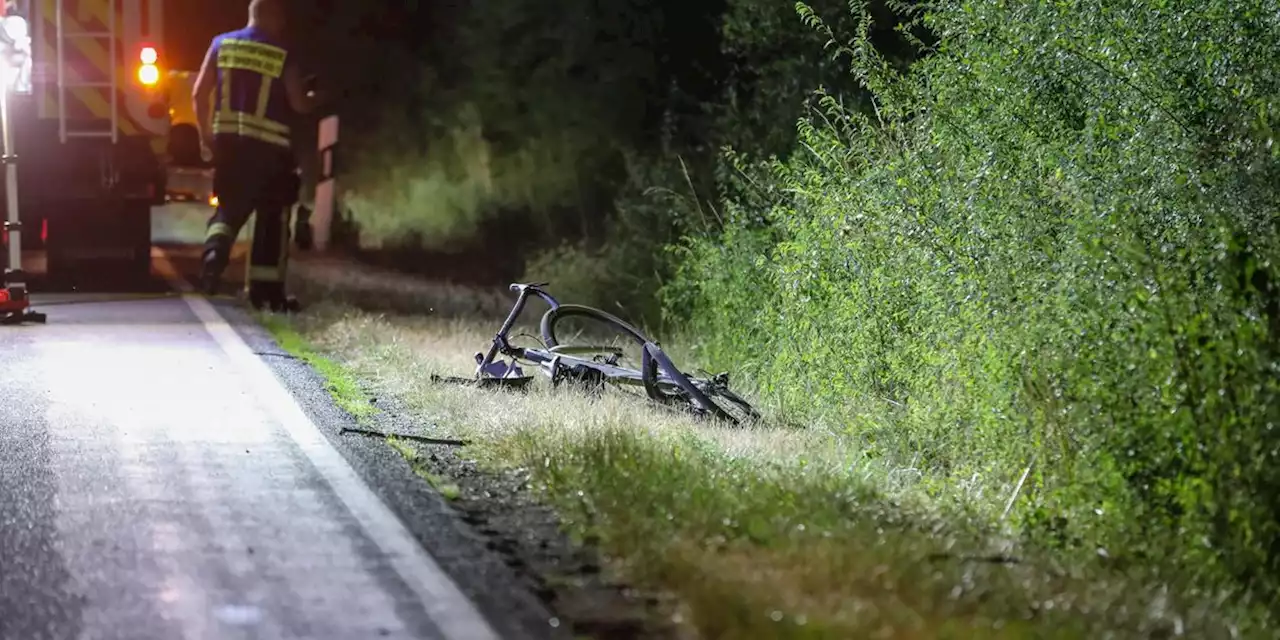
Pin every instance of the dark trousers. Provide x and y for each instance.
(252, 176)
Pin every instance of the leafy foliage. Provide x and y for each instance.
(1052, 240)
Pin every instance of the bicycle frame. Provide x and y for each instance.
(554, 359)
(500, 343)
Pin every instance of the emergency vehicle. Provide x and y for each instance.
(91, 134)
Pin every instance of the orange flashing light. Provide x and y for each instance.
(213, 201)
(149, 73)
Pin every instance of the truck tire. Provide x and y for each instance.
(137, 215)
(92, 245)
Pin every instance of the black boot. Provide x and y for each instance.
(272, 296)
(211, 273)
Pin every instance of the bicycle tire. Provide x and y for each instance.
(547, 327)
(654, 355)
(749, 412)
(649, 377)
(549, 319)
(651, 356)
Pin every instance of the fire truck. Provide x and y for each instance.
(91, 134)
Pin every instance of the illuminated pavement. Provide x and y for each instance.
(158, 479)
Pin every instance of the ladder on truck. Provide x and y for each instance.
(112, 84)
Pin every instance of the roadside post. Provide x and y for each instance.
(326, 201)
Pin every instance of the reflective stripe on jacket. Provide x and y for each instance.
(250, 98)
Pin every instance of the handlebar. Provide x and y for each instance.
(537, 286)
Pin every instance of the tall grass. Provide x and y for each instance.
(1052, 242)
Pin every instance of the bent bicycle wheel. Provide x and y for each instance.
(729, 403)
(693, 390)
(553, 317)
(606, 338)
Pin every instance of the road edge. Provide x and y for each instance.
(489, 593)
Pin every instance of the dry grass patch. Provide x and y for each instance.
(399, 354)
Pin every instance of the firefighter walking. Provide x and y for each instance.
(247, 94)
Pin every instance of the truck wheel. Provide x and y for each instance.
(95, 245)
(60, 270)
(137, 216)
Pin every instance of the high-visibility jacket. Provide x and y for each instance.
(250, 100)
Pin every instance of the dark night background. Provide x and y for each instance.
(191, 24)
(318, 27)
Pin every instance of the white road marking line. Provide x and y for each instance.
(449, 608)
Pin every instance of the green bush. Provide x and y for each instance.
(773, 62)
(623, 270)
(1052, 239)
(770, 62)
(440, 183)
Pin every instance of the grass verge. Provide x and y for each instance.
(766, 532)
(340, 381)
(449, 490)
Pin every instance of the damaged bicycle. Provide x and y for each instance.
(597, 365)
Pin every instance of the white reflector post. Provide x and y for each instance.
(326, 190)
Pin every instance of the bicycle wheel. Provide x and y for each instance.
(649, 369)
(557, 328)
(693, 391)
(553, 316)
(739, 411)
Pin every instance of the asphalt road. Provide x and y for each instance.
(159, 478)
